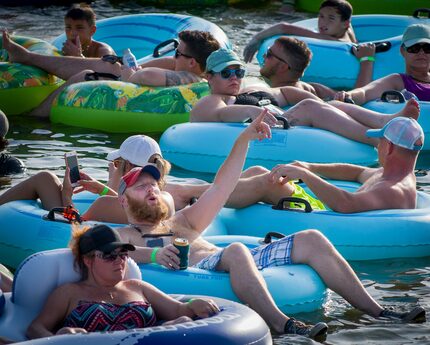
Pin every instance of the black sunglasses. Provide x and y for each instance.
(227, 73)
(178, 54)
(111, 257)
(416, 48)
(270, 54)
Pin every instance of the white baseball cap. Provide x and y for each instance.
(136, 149)
(401, 131)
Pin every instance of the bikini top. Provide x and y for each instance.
(102, 316)
(254, 98)
(420, 89)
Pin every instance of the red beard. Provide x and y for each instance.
(142, 211)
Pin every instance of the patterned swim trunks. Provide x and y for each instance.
(277, 253)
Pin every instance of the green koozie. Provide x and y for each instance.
(184, 249)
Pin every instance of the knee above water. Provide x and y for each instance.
(46, 176)
(236, 250)
(314, 238)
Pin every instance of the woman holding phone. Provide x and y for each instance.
(136, 150)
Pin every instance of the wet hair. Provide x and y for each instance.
(200, 44)
(79, 265)
(82, 12)
(342, 7)
(298, 52)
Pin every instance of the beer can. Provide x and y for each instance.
(184, 249)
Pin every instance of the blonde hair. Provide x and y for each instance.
(78, 263)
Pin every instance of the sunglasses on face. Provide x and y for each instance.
(416, 48)
(270, 54)
(111, 257)
(227, 73)
(178, 54)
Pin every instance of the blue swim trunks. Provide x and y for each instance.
(277, 253)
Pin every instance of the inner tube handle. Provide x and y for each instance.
(393, 96)
(283, 202)
(68, 213)
(285, 124)
(421, 12)
(268, 238)
(157, 49)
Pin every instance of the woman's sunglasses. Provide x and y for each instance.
(227, 73)
(178, 54)
(111, 257)
(416, 48)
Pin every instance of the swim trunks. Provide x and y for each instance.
(277, 253)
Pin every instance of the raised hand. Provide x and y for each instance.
(250, 49)
(71, 48)
(258, 128)
(364, 50)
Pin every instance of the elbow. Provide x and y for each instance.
(343, 204)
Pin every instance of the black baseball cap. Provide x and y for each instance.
(103, 238)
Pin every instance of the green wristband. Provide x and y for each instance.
(104, 191)
(154, 255)
(189, 302)
(367, 58)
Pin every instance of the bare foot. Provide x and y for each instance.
(16, 52)
(411, 109)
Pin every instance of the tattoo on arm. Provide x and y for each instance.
(179, 78)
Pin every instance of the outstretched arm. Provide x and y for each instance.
(213, 109)
(200, 214)
(337, 199)
(279, 29)
(168, 308)
(373, 90)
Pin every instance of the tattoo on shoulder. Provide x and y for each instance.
(179, 78)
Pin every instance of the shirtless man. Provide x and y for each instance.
(392, 186)
(187, 66)
(139, 194)
(80, 26)
(286, 60)
(334, 23)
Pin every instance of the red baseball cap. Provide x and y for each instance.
(133, 175)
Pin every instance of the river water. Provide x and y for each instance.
(41, 145)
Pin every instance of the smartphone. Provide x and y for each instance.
(72, 163)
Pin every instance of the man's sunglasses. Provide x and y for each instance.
(416, 48)
(178, 54)
(270, 54)
(227, 73)
(111, 257)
